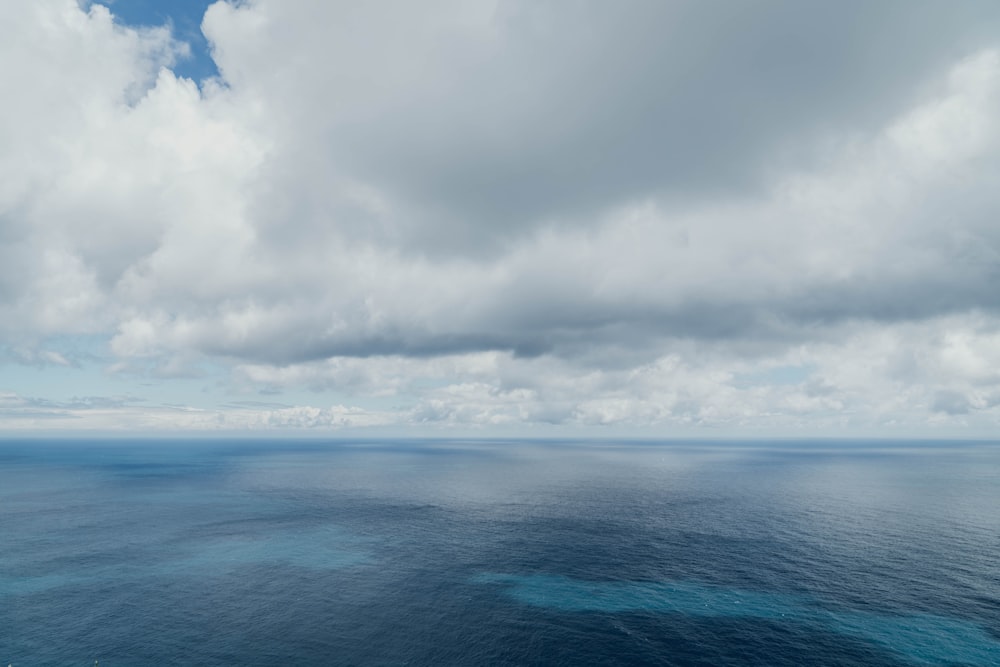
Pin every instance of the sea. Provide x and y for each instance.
(472, 552)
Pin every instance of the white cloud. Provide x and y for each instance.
(458, 209)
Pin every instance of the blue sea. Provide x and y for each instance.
(225, 552)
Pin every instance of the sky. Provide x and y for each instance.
(663, 218)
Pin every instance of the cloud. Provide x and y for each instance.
(466, 124)
(862, 238)
(513, 213)
(23, 410)
(130, 414)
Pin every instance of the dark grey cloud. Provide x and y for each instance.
(581, 106)
(530, 321)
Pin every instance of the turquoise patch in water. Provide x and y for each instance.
(922, 638)
(317, 548)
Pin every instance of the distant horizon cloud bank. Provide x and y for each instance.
(500, 216)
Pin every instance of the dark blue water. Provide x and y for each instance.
(453, 553)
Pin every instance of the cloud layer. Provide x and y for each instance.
(779, 217)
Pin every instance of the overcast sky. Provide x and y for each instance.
(663, 218)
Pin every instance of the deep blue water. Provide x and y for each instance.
(466, 553)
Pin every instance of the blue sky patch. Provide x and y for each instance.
(185, 18)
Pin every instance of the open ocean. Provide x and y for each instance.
(499, 553)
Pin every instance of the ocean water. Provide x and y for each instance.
(499, 553)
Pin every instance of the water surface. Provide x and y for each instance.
(458, 553)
